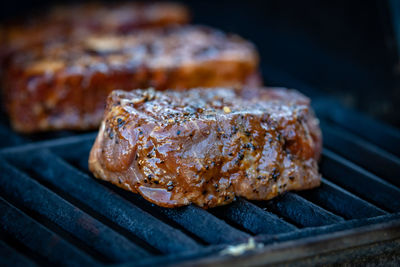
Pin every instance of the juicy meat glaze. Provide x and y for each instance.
(206, 146)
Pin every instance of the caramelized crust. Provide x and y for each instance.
(206, 146)
(64, 85)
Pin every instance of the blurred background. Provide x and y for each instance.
(346, 49)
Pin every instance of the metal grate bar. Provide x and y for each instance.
(339, 201)
(195, 220)
(38, 239)
(78, 185)
(253, 218)
(35, 197)
(301, 211)
(76, 154)
(11, 257)
(360, 181)
(374, 131)
(205, 225)
(363, 153)
(314, 231)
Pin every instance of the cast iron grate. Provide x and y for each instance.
(54, 211)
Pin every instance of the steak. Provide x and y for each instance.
(64, 84)
(76, 21)
(207, 146)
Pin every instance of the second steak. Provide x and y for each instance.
(64, 85)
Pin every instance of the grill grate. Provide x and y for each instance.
(53, 210)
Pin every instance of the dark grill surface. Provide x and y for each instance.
(54, 211)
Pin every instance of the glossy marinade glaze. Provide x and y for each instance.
(64, 85)
(206, 146)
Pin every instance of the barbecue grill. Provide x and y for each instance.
(53, 210)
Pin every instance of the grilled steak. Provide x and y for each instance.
(206, 146)
(76, 21)
(64, 85)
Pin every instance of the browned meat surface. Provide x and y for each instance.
(75, 21)
(64, 85)
(207, 146)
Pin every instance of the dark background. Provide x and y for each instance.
(343, 48)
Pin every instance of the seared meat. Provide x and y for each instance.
(64, 85)
(76, 21)
(206, 146)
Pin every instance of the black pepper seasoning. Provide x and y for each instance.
(234, 129)
(275, 174)
(120, 122)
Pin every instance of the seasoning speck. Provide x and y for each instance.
(275, 174)
(120, 122)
